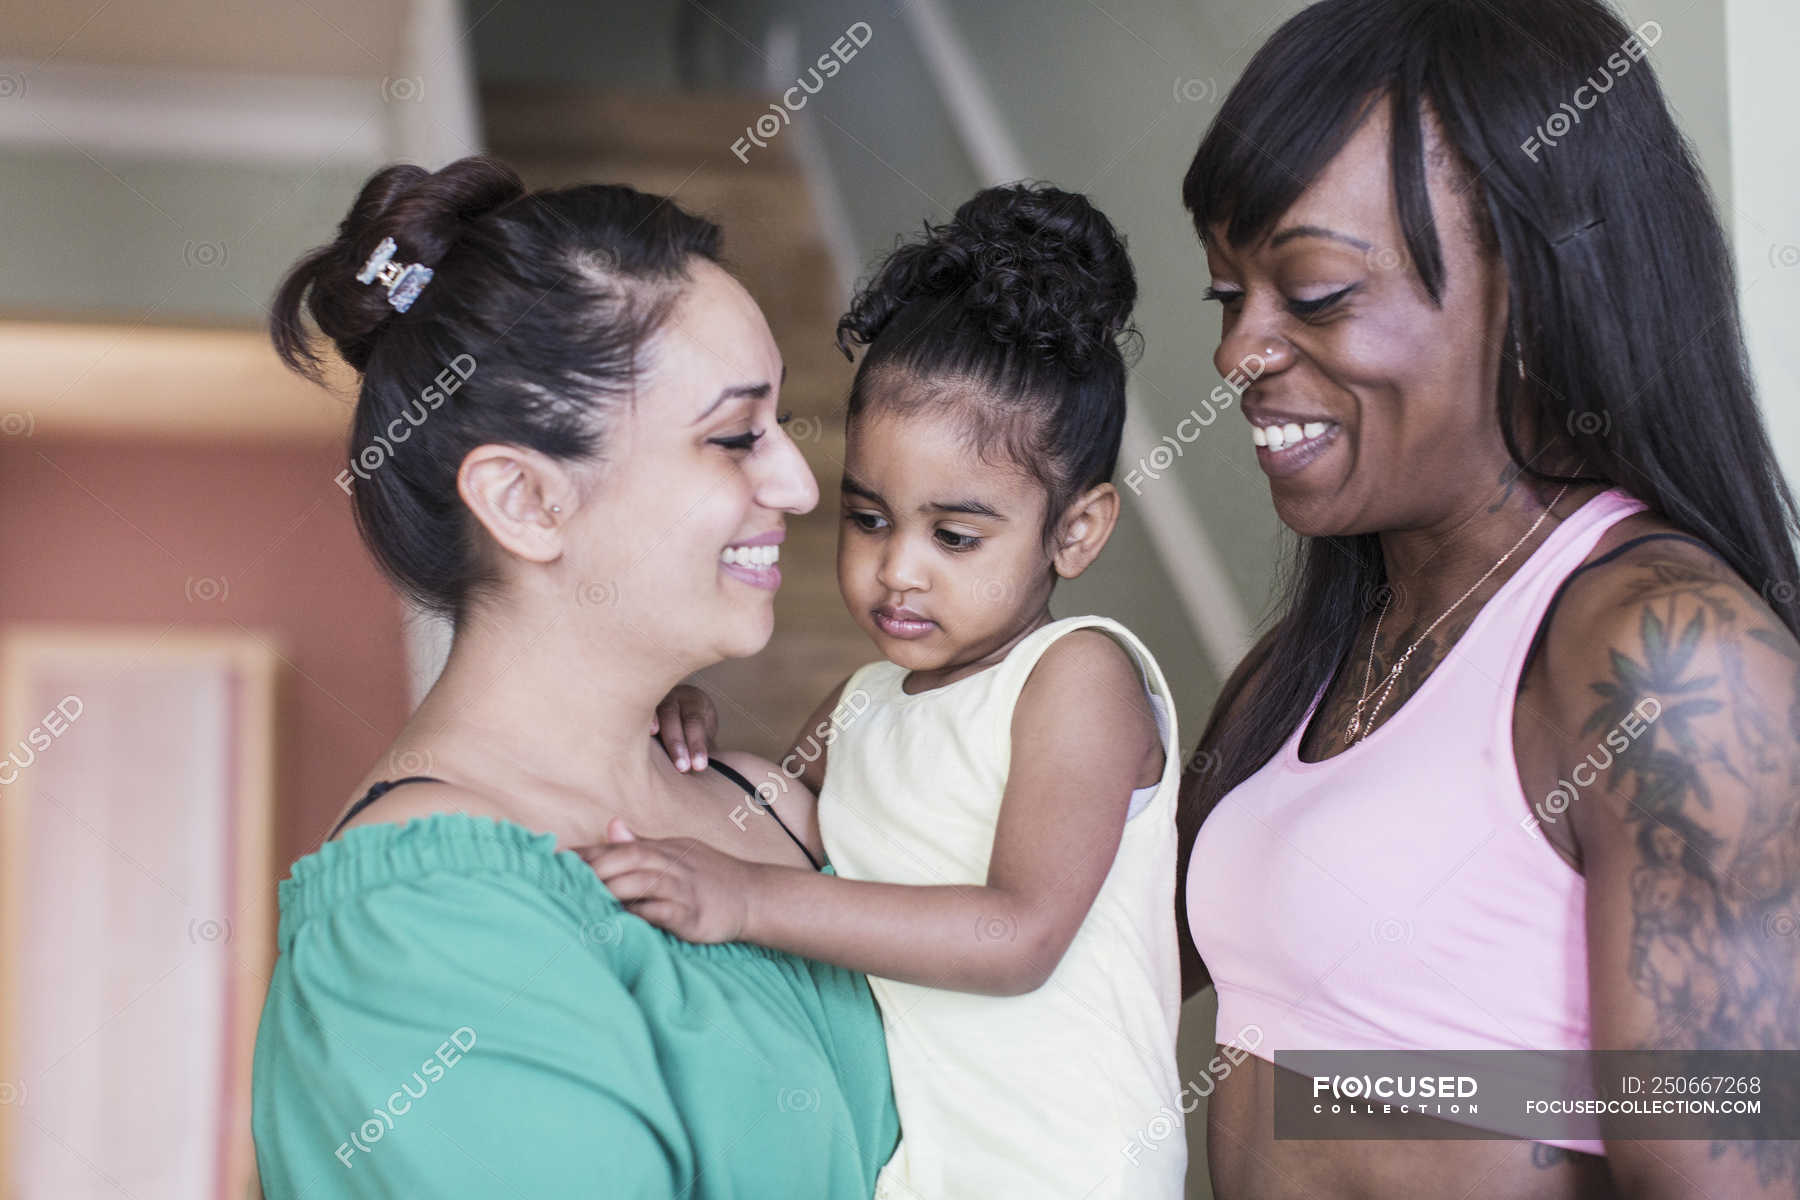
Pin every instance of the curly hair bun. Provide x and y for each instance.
(1034, 265)
(424, 212)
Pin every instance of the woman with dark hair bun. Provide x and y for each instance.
(1514, 767)
(567, 441)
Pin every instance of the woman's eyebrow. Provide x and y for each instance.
(1319, 231)
(755, 391)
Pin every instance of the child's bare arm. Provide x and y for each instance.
(812, 744)
(1083, 737)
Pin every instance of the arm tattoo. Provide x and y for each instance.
(1711, 787)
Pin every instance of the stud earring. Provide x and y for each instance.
(556, 508)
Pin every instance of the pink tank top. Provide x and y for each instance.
(1397, 896)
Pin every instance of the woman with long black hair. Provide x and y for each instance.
(1516, 764)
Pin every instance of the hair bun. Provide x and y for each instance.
(1035, 265)
(425, 212)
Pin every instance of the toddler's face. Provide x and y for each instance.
(940, 554)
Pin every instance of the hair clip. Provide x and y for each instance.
(1564, 239)
(404, 282)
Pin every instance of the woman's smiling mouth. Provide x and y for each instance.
(1286, 447)
(753, 561)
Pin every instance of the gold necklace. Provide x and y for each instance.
(1356, 724)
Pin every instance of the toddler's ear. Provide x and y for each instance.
(1086, 524)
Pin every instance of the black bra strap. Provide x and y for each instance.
(1544, 625)
(375, 793)
(381, 789)
(738, 779)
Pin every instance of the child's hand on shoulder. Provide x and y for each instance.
(697, 893)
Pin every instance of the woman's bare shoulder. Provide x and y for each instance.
(783, 791)
(424, 798)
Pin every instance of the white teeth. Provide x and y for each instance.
(751, 556)
(1280, 437)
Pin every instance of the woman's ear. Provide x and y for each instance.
(1086, 524)
(522, 498)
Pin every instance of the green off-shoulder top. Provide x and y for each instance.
(460, 1009)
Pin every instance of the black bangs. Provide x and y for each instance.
(1303, 96)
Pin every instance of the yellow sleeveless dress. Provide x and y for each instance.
(1043, 1095)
